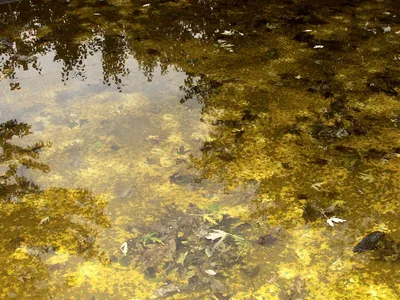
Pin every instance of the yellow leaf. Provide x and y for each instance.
(209, 219)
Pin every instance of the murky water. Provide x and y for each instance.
(199, 149)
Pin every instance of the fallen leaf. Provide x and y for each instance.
(216, 234)
(124, 248)
(387, 29)
(208, 252)
(317, 186)
(207, 217)
(44, 221)
(167, 289)
(210, 272)
(182, 258)
(367, 177)
(228, 32)
(333, 220)
(172, 245)
(217, 286)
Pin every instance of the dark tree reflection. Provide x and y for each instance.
(37, 223)
(15, 159)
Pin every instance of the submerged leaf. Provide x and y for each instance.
(151, 237)
(44, 221)
(367, 177)
(317, 186)
(210, 272)
(182, 258)
(217, 286)
(208, 217)
(333, 220)
(124, 248)
(216, 234)
(170, 288)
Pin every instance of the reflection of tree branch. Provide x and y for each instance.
(114, 56)
(35, 222)
(199, 88)
(14, 158)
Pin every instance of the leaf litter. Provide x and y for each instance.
(188, 246)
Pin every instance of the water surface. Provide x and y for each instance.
(197, 149)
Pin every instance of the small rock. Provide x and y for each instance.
(369, 242)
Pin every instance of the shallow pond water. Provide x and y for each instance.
(199, 149)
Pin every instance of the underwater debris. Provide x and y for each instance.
(188, 247)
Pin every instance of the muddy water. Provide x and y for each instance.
(199, 149)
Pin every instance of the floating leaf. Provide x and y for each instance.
(333, 220)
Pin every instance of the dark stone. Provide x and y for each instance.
(302, 196)
(151, 272)
(320, 161)
(125, 261)
(310, 213)
(304, 37)
(267, 240)
(369, 242)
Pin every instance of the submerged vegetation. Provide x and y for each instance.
(266, 156)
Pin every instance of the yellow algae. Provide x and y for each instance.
(284, 136)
